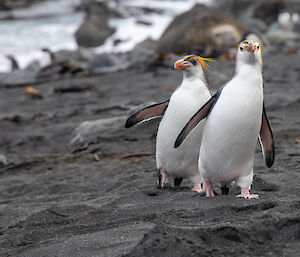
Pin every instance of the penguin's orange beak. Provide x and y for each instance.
(250, 47)
(181, 64)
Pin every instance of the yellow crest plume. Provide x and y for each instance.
(203, 61)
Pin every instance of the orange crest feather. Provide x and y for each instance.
(203, 61)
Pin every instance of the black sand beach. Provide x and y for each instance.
(84, 199)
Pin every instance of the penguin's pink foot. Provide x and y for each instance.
(246, 194)
(162, 180)
(197, 187)
(207, 188)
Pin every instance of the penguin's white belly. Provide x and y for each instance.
(230, 136)
(182, 161)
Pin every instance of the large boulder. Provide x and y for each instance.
(88, 131)
(143, 53)
(266, 11)
(108, 62)
(203, 30)
(95, 28)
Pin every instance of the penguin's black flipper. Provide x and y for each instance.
(198, 116)
(147, 113)
(266, 140)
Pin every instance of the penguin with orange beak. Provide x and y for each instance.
(236, 118)
(185, 101)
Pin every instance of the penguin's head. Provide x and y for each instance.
(192, 64)
(249, 52)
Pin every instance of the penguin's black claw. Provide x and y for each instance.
(177, 182)
(203, 193)
(158, 181)
(224, 190)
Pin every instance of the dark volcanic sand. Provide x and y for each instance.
(57, 200)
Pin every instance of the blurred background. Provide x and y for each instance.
(28, 25)
(85, 29)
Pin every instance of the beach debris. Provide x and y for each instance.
(16, 118)
(3, 160)
(73, 88)
(48, 172)
(136, 155)
(33, 92)
(96, 157)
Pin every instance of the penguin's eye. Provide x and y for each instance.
(193, 61)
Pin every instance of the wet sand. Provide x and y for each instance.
(58, 199)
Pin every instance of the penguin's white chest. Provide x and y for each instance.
(231, 131)
(184, 103)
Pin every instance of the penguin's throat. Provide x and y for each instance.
(191, 75)
(248, 68)
(194, 83)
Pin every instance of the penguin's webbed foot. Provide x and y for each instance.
(207, 188)
(246, 194)
(197, 187)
